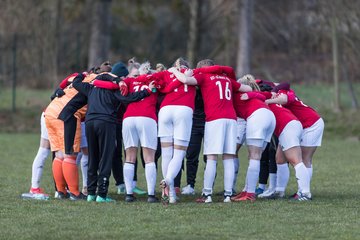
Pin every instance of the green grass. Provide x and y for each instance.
(333, 214)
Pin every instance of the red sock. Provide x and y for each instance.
(58, 175)
(71, 174)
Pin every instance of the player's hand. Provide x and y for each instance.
(59, 93)
(189, 72)
(152, 86)
(244, 96)
(172, 69)
(123, 88)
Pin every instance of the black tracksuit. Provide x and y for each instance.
(117, 164)
(100, 123)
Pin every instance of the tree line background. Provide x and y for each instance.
(312, 41)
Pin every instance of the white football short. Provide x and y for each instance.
(83, 142)
(220, 136)
(44, 131)
(139, 131)
(312, 136)
(260, 127)
(291, 135)
(175, 122)
(241, 131)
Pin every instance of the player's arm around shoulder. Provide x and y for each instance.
(186, 77)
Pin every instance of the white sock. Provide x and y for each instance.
(37, 167)
(150, 174)
(310, 171)
(172, 192)
(175, 166)
(272, 181)
(236, 170)
(129, 170)
(262, 186)
(84, 168)
(252, 175)
(134, 183)
(302, 177)
(229, 174)
(166, 156)
(282, 177)
(209, 176)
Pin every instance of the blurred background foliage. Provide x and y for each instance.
(313, 44)
(290, 40)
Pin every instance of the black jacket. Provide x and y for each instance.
(103, 104)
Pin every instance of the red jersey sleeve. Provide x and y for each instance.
(65, 82)
(257, 95)
(199, 78)
(229, 71)
(235, 85)
(105, 84)
(290, 95)
(267, 95)
(171, 87)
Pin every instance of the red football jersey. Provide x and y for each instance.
(217, 93)
(145, 107)
(244, 108)
(283, 116)
(184, 95)
(306, 115)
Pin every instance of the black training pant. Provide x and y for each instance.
(101, 137)
(268, 161)
(69, 134)
(117, 164)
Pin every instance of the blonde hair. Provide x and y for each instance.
(181, 62)
(145, 68)
(249, 79)
(205, 63)
(160, 67)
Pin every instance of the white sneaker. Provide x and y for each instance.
(267, 193)
(121, 189)
(188, 190)
(227, 199)
(172, 199)
(204, 199)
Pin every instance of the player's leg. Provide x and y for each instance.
(131, 142)
(107, 147)
(192, 160)
(39, 161)
(117, 164)
(182, 119)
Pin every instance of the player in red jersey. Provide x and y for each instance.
(175, 122)
(289, 130)
(217, 85)
(260, 124)
(140, 126)
(312, 123)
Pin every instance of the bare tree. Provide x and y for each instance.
(336, 65)
(244, 36)
(193, 38)
(100, 32)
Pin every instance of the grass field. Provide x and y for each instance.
(333, 214)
